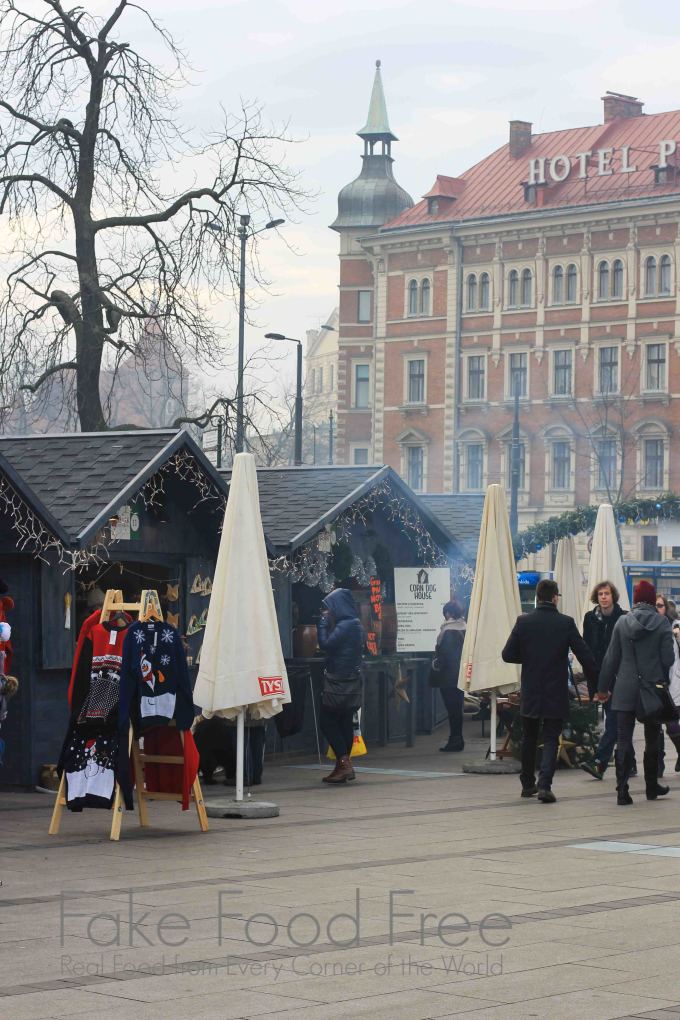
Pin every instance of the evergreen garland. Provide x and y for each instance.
(574, 522)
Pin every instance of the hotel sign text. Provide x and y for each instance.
(607, 161)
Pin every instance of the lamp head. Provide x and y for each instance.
(273, 223)
(275, 336)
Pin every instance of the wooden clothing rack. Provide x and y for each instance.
(148, 607)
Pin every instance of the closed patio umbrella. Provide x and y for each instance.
(605, 558)
(241, 659)
(494, 607)
(569, 577)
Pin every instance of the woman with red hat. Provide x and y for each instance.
(641, 646)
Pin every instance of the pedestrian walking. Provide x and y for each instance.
(541, 642)
(341, 637)
(448, 651)
(640, 650)
(666, 607)
(598, 626)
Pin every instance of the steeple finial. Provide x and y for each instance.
(377, 126)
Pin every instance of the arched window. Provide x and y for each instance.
(571, 283)
(471, 293)
(665, 274)
(603, 281)
(484, 292)
(617, 279)
(526, 288)
(650, 276)
(513, 288)
(558, 285)
(425, 297)
(413, 297)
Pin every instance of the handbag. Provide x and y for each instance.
(437, 677)
(342, 692)
(654, 702)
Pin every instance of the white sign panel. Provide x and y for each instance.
(420, 595)
(120, 529)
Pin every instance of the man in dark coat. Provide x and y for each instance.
(341, 637)
(541, 642)
(598, 626)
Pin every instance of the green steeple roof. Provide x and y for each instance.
(377, 125)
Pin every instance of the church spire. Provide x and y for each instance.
(377, 126)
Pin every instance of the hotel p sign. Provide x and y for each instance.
(608, 161)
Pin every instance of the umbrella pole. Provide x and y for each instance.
(494, 726)
(240, 730)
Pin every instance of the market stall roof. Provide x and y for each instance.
(461, 514)
(297, 502)
(75, 481)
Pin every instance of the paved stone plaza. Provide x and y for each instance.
(542, 926)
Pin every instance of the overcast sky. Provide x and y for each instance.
(454, 74)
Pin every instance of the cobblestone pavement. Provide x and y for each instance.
(416, 892)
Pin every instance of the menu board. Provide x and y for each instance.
(420, 595)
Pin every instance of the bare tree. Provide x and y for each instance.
(100, 246)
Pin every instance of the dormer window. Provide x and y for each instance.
(664, 174)
(432, 206)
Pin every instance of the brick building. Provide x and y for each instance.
(550, 265)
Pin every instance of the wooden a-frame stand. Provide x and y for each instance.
(148, 607)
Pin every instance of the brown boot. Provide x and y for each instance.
(342, 773)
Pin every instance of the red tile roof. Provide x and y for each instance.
(494, 185)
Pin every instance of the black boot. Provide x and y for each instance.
(653, 787)
(622, 795)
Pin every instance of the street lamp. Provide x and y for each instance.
(243, 234)
(298, 393)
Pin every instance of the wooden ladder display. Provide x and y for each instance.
(148, 607)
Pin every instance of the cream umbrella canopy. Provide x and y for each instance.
(494, 607)
(569, 576)
(241, 658)
(605, 558)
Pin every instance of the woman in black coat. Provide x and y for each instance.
(341, 637)
(448, 653)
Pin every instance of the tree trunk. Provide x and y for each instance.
(89, 336)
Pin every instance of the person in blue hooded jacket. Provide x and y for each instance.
(341, 637)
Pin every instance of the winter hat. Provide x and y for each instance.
(644, 591)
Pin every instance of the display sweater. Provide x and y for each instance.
(155, 689)
(95, 677)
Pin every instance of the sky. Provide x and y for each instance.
(454, 74)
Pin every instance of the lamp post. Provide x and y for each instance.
(298, 393)
(514, 457)
(243, 235)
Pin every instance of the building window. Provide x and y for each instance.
(608, 370)
(363, 306)
(517, 375)
(425, 297)
(474, 466)
(513, 289)
(331, 380)
(571, 284)
(415, 466)
(665, 275)
(471, 293)
(360, 455)
(655, 367)
(650, 276)
(617, 279)
(521, 449)
(526, 288)
(361, 385)
(561, 464)
(313, 380)
(603, 281)
(653, 463)
(475, 377)
(319, 380)
(413, 297)
(651, 550)
(484, 292)
(558, 285)
(606, 464)
(415, 381)
(562, 373)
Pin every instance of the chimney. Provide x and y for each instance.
(520, 137)
(617, 106)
